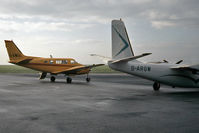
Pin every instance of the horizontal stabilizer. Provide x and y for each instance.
(21, 61)
(24, 61)
(129, 58)
(103, 58)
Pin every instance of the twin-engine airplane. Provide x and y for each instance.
(54, 66)
(124, 60)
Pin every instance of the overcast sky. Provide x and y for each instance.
(76, 28)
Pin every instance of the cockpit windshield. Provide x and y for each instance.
(73, 62)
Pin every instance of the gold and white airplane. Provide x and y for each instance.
(54, 66)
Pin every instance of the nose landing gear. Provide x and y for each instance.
(88, 79)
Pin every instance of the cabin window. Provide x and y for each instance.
(58, 61)
(45, 61)
(64, 61)
(51, 61)
(72, 62)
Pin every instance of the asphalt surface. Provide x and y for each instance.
(110, 103)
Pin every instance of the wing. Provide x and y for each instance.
(193, 68)
(76, 69)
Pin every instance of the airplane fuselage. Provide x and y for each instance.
(161, 73)
(50, 65)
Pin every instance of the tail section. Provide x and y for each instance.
(121, 46)
(13, 52)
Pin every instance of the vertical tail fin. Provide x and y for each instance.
(121, 46)
(13, 52)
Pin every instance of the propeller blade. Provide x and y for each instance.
(179, 62)
(165, 61)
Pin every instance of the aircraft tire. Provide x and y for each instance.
(52, 79)
(88, 79)
(69, 80)
(156, 86)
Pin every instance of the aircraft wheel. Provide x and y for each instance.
(156, 86)
(69, 80)
(88, 79)
(52, 79)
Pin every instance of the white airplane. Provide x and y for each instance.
(124, 60)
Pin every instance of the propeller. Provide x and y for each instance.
(180, 61)
(165, 61)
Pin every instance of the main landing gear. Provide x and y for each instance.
(156, 86)
(69, 80)
(52, 78)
